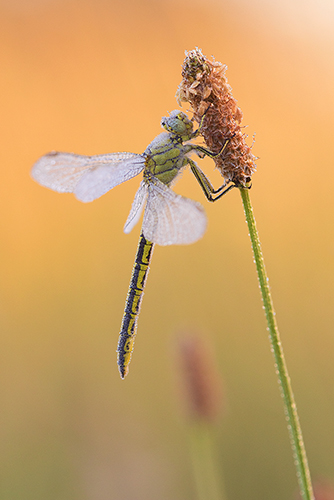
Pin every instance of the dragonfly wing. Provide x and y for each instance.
(60, 171)
(137, 207)
(171, 219)
(63, 172)
(117, 168)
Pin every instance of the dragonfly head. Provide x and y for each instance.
(179, 124)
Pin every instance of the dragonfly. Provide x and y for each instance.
(168, 219)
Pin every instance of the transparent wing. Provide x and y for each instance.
(137, 207)
(63, 172)
(171, 219)
(99, 180)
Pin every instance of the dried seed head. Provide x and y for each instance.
(204, 86)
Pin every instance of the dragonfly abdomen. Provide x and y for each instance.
(132, 304)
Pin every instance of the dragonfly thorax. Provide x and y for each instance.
(165, 157)
(177, 123)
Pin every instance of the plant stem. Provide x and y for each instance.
(296, 438)
(207, 477)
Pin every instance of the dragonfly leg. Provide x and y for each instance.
(206, 185)
(198, 131)
(207, 152)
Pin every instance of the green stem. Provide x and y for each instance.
(207, 477)
(297, 442)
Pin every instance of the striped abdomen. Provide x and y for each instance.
(132, 304)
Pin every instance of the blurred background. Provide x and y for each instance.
(94, 77)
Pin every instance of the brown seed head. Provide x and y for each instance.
(204, 86)
(200, 381)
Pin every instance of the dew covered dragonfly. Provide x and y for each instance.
(169, 218)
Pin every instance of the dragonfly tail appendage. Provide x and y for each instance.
(132, 305)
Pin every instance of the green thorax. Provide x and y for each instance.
(165, 157)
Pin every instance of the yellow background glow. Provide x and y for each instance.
(95, 77)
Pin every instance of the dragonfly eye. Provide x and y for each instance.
(177, 123)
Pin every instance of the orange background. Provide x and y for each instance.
(94, 77)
